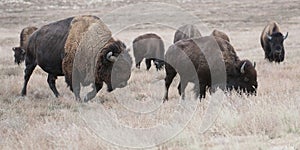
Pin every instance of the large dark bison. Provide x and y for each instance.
(151, 47)
(47, 48)
(272, 42)
(186, 32)
(19, 52)
(220, 34)
(240, 74)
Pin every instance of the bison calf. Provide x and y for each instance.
(240, 74)
(151, 47)
(272, 42)
(21, 50)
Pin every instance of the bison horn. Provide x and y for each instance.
(254, 64)
(110, 57)
(243, 68)
(23, 51)
(269, 37)
(284, 37)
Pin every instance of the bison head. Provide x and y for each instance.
(243, 78)
(19, 54)
(119, 66)
(276, 45)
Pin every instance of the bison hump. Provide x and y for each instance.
(88, 35)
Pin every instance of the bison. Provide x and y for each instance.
(92, 56)
(186, 32)
(151, 47)
(272, 42)
(240, 74)
(220, 34)
(20, 50)
(47, 48)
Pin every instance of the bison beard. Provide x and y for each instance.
(239, 74)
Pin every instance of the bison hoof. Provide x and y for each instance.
(57, 95)
(165, 99)
(78, 99)
(23, 93)
(86, 99)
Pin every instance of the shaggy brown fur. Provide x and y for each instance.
(151, 47)
(122, 66)
(220, 34)
(85, 61)
(21, 50)
(272, 42)
(198, 51)
(186, 32)
(79, 26)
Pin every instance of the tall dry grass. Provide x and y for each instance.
(39, 120)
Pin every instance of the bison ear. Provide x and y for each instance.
(284, 37)
(269, 36)
(110, 57)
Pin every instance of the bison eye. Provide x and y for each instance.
(246, 79)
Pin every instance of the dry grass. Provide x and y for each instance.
(269, 120)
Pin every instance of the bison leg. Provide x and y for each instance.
(92, 94)
(138, 60)
(76, 90)
(170, 74)
(148, 63)
(202, 91)
(51, 81)
(28, 71)
(138, 64)
(76, 86)
(68, 79)
(181, 88)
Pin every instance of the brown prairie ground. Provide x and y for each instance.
(269, 120)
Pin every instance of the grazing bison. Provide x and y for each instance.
(151, 47)
(272, 42)
(20, 51)
(47, 48)
(240, 74)
(186, 32)
(220, 34)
